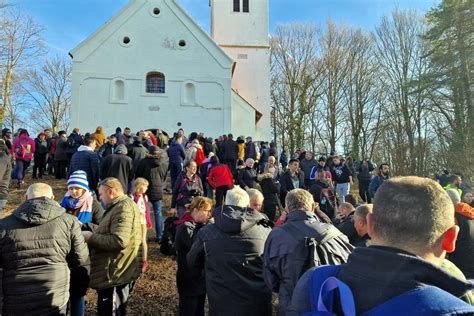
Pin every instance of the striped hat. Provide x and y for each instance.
(78, 179)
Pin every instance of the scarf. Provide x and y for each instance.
(81, 207)
(186, 217)
(141, 197)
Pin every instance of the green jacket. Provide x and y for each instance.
(450, 186)
(116, 245)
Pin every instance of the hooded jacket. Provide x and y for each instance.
(154, 169)
(188, 283)
(116, 245)
(219, 176)
(99, 137)
(119, 166)
(39, 242)
(137, 152)
(87, 160)
(232, 249)
(24, 147)
(463, 256)
(282, 264)
(376, 274)
(176, 153)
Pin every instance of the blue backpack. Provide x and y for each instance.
(328, 292)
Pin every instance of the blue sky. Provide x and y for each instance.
(68, 22)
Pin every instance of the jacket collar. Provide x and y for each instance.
(301, 215)
(397, 266)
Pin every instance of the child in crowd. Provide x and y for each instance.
(140, 186)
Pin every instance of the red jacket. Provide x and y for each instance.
(220, 175)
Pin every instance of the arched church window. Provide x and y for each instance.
(245, 5)
(189, 93)
(155, 82)
(119, 90)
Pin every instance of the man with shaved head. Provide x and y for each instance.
(39, 243)
(412, 228)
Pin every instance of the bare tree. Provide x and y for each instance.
(399, 52)
(362, 93)
(295, 80)
(49, 90)
(20, 46)
(335, 56)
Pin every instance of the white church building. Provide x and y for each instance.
(152, 66)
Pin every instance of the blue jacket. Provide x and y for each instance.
(88, 161)
(374, 185)
(376, 274)
(176, 153)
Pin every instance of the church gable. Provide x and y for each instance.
(155, 28)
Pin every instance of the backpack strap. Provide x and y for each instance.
(320, 238)
(323, 286)
(426, 300)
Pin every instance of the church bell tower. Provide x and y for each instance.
(240, 28)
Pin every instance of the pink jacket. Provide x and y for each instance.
(24, 147)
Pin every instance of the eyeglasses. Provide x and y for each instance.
(102, 183)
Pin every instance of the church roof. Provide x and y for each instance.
(258, 114)
(89, 45)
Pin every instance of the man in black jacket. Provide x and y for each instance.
(412, 228)
(36, 275)
(119, 166)
(232, 249)
(293, 178)
(229, 153)
(284, 263)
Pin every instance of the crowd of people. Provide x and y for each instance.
(245, 220)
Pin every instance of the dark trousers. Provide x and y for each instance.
(191, 305)
(232, 164)
(50, 164)
(40, 163)
(175, 169)
(113, 301)
(220, 195)
(364, 191)
(270, 209)
(60, 171)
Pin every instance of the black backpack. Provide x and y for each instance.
(316, 251)
(167, 241)
(71, 142)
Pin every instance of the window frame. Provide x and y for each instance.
(155, 88)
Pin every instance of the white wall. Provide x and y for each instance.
(243, 117)
(252, 81)
(153, 47)
(239, 28)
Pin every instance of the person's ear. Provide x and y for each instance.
(370, 224)
(313, 206)
(449, 239)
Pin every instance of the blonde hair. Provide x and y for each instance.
(299, 200)
(112, 183)
(362, 211)
(199, 203)
(139, 183)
